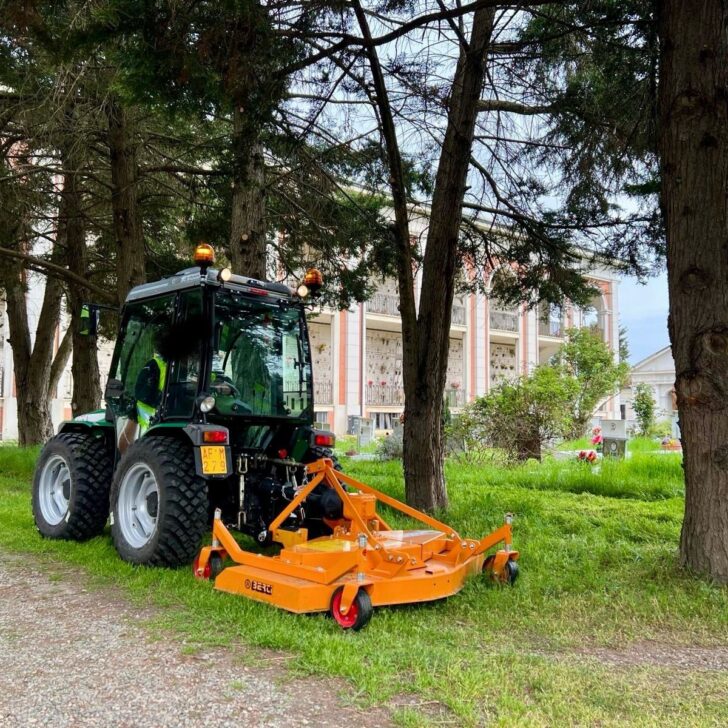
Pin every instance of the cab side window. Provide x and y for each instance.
(145, 323)
(185, 353)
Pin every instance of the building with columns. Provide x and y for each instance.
(357, 353)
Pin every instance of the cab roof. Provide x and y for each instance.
(193, 277)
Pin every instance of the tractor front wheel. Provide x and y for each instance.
(158, 504)
(359, 614)
(71, 486)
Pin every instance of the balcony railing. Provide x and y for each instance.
(551, 328)
(384, 394)
(388, 305)
(503, 320)
(323, 392)
(384, 303)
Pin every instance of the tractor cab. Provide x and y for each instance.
(207, 347)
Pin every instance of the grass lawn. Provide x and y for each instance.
(598, 579)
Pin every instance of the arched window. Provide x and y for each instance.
(594, 316)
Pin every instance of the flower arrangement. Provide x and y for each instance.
(670, 443)
(587, 456)
(597, 438)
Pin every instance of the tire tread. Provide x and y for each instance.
(181, 531)
(91, 469)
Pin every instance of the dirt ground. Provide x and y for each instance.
(74, 657)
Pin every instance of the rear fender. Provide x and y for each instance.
(195, 434)
(94, 423)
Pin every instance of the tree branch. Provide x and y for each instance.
(48, 268)
(513, 107)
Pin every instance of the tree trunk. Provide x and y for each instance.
(32, 366)
(127, 216)
(693, 138)
(426, 336)
(530, 447)
(247, 216)
(423, 432)
(85, 366)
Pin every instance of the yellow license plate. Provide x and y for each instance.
(214, 461)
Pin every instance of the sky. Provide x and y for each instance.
(643, 311)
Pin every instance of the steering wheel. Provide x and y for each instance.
(224, 387)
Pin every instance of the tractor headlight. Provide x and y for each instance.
(207, 404)
(302, 290)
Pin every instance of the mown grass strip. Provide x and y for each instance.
(598, 568)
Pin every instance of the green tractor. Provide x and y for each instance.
(209, 405)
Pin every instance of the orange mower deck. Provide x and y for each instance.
(363, 564)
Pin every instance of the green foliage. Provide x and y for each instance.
(586, 357)
(623, 344)
(600, 148)
(661, 429)
(517, 417)
(643, 404)
(556, 400)
(391, 447)
(599, 580)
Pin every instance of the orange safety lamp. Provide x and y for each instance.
(204, 255)
(312, 282)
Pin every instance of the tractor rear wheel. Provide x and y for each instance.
(71, 486)
(158, 504)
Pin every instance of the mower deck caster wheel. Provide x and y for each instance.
(215, 565)
(212, 568)
(359, 613)
(510, 571)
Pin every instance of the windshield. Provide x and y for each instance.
(260, 359)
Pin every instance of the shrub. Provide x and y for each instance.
(643, 405)
(518, 417)
(661, 429)
(391, 447)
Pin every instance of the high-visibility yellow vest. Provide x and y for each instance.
(145, 412)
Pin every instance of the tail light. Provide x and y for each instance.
(323, 439)
(219, 437)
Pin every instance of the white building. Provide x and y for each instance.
(658, 372)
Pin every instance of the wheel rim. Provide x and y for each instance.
(138, 505)
(347, 620)
(54, 490)
(206, 572)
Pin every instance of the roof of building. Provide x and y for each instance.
(653, 357)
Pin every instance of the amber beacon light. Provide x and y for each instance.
(204, 255)
(312, 282)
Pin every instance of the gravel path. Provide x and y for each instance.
(72, 657)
